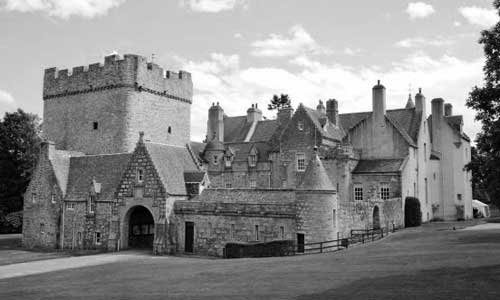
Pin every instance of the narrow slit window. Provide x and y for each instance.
(95, 125)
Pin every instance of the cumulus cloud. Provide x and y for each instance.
(63, 8)
(421, 42)
(419, 10)
(298, 41)
(211, 6)
(221, 78)
(479, 16)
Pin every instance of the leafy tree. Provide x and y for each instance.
(278, 102)
(478, 167)
(486, 101)
(19, 150)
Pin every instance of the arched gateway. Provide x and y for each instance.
(139, 228)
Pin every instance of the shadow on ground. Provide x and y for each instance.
(443, 283)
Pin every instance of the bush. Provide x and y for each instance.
(413, 215)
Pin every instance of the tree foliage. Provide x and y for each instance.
(486, 101)
(19, 150)
(278, 102)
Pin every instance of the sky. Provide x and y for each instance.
(242, 52)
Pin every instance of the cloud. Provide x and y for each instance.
(352, 51)
(211, 6)
(7, 102)
(63, 9)
(479, 16)
(419, 10)
(298, 41)
(221, 78)
(421, 42)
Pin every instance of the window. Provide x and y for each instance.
(459, 197)
(70, 205)
(252, 160)
(426, 192)
(216, 159)
(232, 231)
(228, 161)
(33, 197)
(169, 130)
(91, 204)
(256, 232)
(282, 232)
(95, 125)
(253, 183)
(42, 228)
(425, 151)
(140, 175)
(434, 175)
(358, 191)
(301, 162)
(300, 125)
(229, 185)
(97, 238)
(53, 198)
(384, 191)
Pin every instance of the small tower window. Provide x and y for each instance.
(216, 160)
(169, 130)
(140, 175)
(300, 125)
(95, 125)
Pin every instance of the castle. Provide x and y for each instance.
(118, 170)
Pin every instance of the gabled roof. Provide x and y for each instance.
(237, 128)
(456, 122)
(242, 150)
(170, 162)
(406, 120)
(105, 169)
(60, 161)
(320, 120)
(378, 166)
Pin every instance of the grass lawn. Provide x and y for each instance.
(430, 262)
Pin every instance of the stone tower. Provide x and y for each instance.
(101, 108)
(316, 204)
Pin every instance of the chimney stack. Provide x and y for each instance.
(284, 115)
(420, 101)
(378, 103)
(215, 123)
(332, 111)
(448, 109)
(437, 121)
(254, 114)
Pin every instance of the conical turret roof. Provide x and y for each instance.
(409, 103)
(315, 177)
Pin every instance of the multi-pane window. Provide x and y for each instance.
(229, 185)
(140, 175)
(301, 162)
(252, 160)
(92, 204)
(70, 205)
(384, 191)
(358, 191)
(253, 183)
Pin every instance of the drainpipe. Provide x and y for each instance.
(61, 237)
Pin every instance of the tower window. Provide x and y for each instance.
(140, 175)
(169, 130)
(95, 125)
(300, 125)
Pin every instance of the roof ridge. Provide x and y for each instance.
(403, 132)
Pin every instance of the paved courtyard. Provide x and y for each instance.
(430, 262)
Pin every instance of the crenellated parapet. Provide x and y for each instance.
(131, 71)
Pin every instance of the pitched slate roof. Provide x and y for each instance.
(194, 176)
(237, 128)
(378, 166)
(242, 150)
(170, 162)
(60, 161)
(315, 177)
(264, 130)
(319, 120)
(456, 122)
(106, 169)
(406, 120)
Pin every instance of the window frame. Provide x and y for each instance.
(300, 161)
(358, 192)
(92, 204)
(300, 125)
(139, 176)
(385, 191)
(252, 160)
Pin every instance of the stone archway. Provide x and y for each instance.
(138, 228)
(376, 218)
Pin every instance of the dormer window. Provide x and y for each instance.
(300, 125)
(252, 160)
(140, 175)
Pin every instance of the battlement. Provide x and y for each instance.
(131, 71)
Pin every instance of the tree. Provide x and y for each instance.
(486, 101)
(19, 150)
(279, 102)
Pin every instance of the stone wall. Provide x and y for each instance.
(41, 220)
